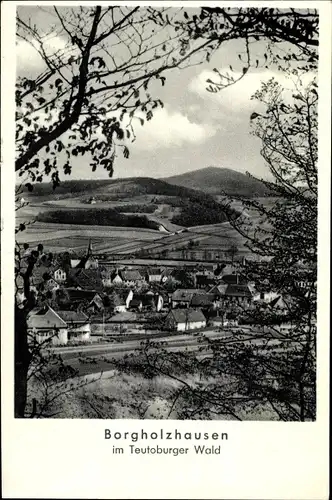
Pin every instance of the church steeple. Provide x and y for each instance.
(84, 260)
(89, 253)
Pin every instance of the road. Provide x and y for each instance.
(96, 358)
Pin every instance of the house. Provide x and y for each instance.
(45, 324)
(279, 306)
(78, 298)
(95, 305)
(204, 281)
(203, 301)
(154, 275)
(85, 279)
(116, 278)
(183, 297)
(233, 279)
(147, 301)
(60, 275)
(40, 274)
(127, 321)
(78, 325)
(239, 294)
(131, 277)
(107, 275)
(265, 297)
(122, 299)
(49, 285)
(88, 261)
(226, 319)
(185, 319)
(218, 291)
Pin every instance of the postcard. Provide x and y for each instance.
(165, 249)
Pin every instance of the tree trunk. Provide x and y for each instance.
(22, 362)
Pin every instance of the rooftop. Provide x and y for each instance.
(187, 315)
(73, 316)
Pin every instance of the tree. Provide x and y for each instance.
(85, 90)
(289, 36)
(269, 372)
(87, 100)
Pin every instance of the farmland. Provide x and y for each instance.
(164, 240)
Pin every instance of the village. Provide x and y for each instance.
(79, 301)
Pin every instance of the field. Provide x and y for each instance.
(202, 242)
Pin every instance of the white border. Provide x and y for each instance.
(70, 458)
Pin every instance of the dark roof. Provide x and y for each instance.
(234, 279)
(146, 299)
(73, 316)
(202, 279)
(238, 291)
(89, 279)
(218, 290)
(278, 302)
(136, 302)
(155, 271)
(123, 317)
(131, 275)
(186, 294)
(187, 315)
(76, 295)
(122, 293)
(202, 300)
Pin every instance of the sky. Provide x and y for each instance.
(195, 129)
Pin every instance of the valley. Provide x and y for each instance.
(134, 217)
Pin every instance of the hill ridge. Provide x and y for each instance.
(216, 180)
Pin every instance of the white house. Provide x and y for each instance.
(78, 325)
(122, 299)
(265, 297)
(155, 275)
(58, 326)
(116, 278)
(60, 275)
(46, 324)
(185, 319)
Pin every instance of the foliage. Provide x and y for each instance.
(290, 37)
(97, 216)
(88, 101)
(267, 371)
(136, 208)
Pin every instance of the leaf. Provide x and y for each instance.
(254, 115)
(29, 186)
(126, 152)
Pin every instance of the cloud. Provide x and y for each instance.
(28, 57)
(170, 129)
(237, 96)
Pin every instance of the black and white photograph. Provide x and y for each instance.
(166, 208)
